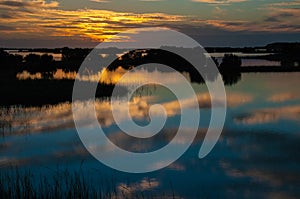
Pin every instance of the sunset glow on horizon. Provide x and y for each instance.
(48, 23)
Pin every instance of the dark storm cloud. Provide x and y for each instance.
(14, 3)
(271, 19)
(6, 16)
(6, 28)
(28, 4)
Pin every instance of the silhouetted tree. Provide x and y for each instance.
(230, 69)
(47, 64)
(32, 63)
(73, 58)
(143, 56)
(231, 62)
(287, 53)
(43, 64)
(9, 64)
(290, 55)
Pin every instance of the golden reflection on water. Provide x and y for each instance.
(109, 77)
(46, 118)
(18, 119)
(262, 159)
(270, 115)
(128, 190)
(284, 96)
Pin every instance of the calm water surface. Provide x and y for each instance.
(257, 155)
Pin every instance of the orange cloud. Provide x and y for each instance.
(19, 4)
(282, 97)
(101, 1)
(128, 190)
(270, 115)
(37, 19)
(286, 3)
(45, 20)
(225, 2)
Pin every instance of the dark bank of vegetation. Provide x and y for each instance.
(49, 91)
(288, 54)
(11, 64)
(43, 91)
(144, 56)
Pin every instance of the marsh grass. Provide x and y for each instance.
(18, 183)
(24, 184)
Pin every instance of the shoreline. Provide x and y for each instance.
(267, 69)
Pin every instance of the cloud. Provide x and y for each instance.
(177, 167)
(276, 20)
(219, 12)
(285, 3)
(285, 15)
(271, 19)
(7, 28)
(28, 4)
(42, 20)
(38, 19)
(128, 190)
(5, 16)
(270, 115)
(39, 119)
(282, 97)
(101, 1)
(260, 152)
(151, 0)
(13, 3)
(232, 25)
(223, 2)
(282, 16)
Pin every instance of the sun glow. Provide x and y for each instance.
(48, 20)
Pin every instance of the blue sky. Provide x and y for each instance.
(84, 23)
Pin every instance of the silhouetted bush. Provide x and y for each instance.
(73, 58)
(231, 62)
(43, 64)
(230, 69)
(9, 64)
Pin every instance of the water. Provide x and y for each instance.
(257, 155)
(248, 58)
(259, 62)
(255, 62)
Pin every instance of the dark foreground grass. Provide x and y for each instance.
(17, 184)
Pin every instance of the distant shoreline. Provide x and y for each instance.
(265, 69)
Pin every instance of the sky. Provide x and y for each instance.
(86, 23)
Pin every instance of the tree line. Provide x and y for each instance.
(230, 66)
(11, 64)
